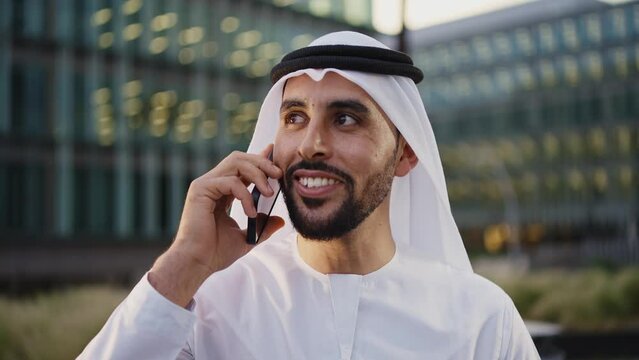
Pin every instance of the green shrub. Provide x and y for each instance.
(596, 298)
(56, 325)
(627, 284)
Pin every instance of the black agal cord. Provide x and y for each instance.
(348, 57)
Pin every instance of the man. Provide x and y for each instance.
(374, 267)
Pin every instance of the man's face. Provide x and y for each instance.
(338, 151)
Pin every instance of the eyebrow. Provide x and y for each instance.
(287, 104)
(350, 104)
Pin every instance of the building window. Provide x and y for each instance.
(546, 38)
(547, 72)
(502, 44)
(29, 107)
(461, 52)
(569, 34)
(618, 58)
(593, 65)
(593, 28)
(617, 18)
(482, 49)
(571, 70)
(524, 41)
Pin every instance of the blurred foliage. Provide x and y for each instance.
(55, 325)
(592, 299)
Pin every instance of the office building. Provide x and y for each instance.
(536, 113)
(109, 108)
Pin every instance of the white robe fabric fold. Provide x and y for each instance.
(271, 305)
(145, 325)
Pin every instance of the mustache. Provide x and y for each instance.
(320, 166)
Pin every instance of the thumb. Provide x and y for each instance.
(273, 223)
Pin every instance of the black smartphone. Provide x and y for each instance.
(264, 206)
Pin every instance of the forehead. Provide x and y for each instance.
(332, 86)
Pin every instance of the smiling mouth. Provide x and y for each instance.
(315, 182)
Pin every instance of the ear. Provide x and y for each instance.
(407, 161)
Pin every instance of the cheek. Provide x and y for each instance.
(361, 155)
(283, 150)
(366, 155)
(364, 147)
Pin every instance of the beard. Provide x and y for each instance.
(350, 213)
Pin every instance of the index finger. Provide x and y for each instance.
(269, 167)
(267, 152)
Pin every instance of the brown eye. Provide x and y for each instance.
(345, 120)
(294, 118)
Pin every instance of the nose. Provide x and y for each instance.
(315, 143)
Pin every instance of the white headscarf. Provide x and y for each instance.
(420, 215)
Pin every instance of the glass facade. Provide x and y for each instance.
(109, 108)
(538, 126)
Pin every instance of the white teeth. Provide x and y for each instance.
(316, 182)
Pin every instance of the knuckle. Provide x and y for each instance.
(235, 182)
(196, 183)
(239, 185)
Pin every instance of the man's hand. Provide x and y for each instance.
(208, 239)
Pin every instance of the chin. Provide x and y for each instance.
(322, 224)
(317, 209)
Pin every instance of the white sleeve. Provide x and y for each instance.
(516, 341)
(145, 325)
